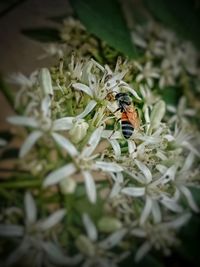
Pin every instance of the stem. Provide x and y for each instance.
(20, 184)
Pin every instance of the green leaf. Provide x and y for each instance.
(42, 34)
(183, 16)
(105, 20)
(171, 95)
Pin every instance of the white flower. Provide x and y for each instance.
(146, 73)
(160, 236)
(153, 189)
(181, 112)
(44, 125)
(85, 162)
(32, 233)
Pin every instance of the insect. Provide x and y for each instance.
(129, 115)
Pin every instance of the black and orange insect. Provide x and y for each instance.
(129, 116)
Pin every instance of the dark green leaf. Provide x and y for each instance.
(42, 34)
(105, 20)
(171, 95)
(183, 16)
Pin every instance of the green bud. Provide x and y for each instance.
(45, 82)
(78, 131)
(85, 246)
(109, 224)
(67, 185)
(157, 114)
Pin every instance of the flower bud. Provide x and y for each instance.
(85, 246)
(67, 185)
(109, 224)
(78, 131)
(45, 82)
(157, 114)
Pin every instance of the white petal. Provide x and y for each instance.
(90, 227)
(157, 114)
(18, 253)
(145, 170)
(90, 106)
(109, 134)
(30, 208)
(133, 191)
(171, 205)
(188, 162)
(191, 148)
(11, 230)
(115, 190)
(132, 91)
(113, 240)
(156, 212)
(52, 220)
(82, 87)
(142, 251)
(90, 186)
(57, 175)
(116, 147)
(63, 124)
(189, 198)
(107, 166)
(131, 147)
(92, 143)
(146, 211)
(45, 106)
(138, 232)
(161, 168)
(66, 144)
(29, 143)
(2, 142)
(56, 255)
(23, 121)
(45, 83)
(180, 221)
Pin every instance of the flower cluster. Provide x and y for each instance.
(75, 149)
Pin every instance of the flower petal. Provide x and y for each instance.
(57, 175)
(188, 162)
(113, 240)
(116, 147)
(90, 227)
(65, 143)
(56, 255)
(82, 87)
(52, 220)
(133, 191)
(90, 106)
(142, 251)
(145, 170)
(65, 123)
(45, 106)
(147, 210)
(11, 230)
(30, 208)
(23, 121)
(171, 204)
(107, 166)
(45, 83)
(92, 143)
(90, 186)
(29, 143)
(180, 221)
(188, 195)
(132, 91)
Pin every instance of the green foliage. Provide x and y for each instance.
(183, 16)
(105, 20)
